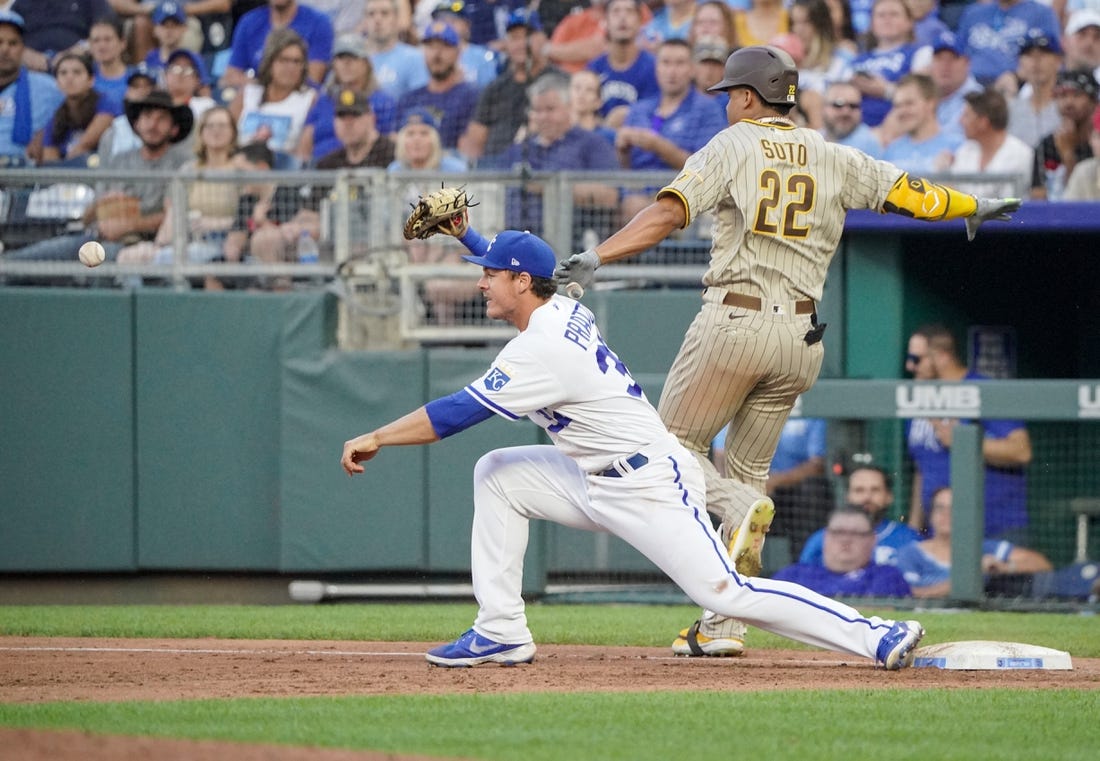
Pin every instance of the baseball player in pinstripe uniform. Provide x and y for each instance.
(779, 194)
(613, 467)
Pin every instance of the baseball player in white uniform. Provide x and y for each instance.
(779, 194)
(613, 467)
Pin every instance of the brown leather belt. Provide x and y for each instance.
(731, 299)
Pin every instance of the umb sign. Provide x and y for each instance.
(1088, 401)
(933, 400)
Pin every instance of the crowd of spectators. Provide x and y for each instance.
(1002, 86)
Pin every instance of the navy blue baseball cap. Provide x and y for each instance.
(191, 57)
(169, 10)
(518, 252)
(1038, 38)
(524, 17)
(442, 31)
(947, 40)
(451, 7)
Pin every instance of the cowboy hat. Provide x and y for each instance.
(181, 115)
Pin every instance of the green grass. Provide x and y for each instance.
(895, 724)
(928, 725)
(646, 625)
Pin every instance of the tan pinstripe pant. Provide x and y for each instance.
(744, 368)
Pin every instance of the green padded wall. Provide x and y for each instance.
(66, 431)
(208, 377)
(329, 521)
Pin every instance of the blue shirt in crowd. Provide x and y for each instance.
(922, 570)
(690, 126)
(891, 65)
(400, 69)
(1005, 488)
(890, 537)
(626, 87)
(252, 28)
(992, 34)
(921, 157)
(44, 98)
(872, 580)
(452, 109)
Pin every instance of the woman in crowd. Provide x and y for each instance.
(890, 55)
(85, 114)
(762, 22)
(351, 70)
(273, 109)
(107, 44)
(840, 11)
(823, 60)
(584, 102)
(211, 204)
(419, 149)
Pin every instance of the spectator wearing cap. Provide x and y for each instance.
(502, 107)
(120, 135)
(184, 77)
(627, 72)
(991, 33)
(447, 94)
(1033, 111)
(361, 144)
(398, 66)
(843, 122)
(351, 70)
(556, 145)
(251, 31)
(169, 26)
(128, 210)
(990, 149)
(951, 73)
(1059, 152)
(29, 98)
(273, 109)
(478, 63)
(658, 134)
(83, 117)
(1084, 181)
(671, 22)
(418, 149)
(1082, 40)
(709, 65)
(923, 147)
(52, 27)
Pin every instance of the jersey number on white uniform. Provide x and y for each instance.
(783, 203)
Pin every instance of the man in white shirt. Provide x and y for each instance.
(990, 149)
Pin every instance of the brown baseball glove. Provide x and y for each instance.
(443, 211)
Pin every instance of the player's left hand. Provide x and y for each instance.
(579, 268)
(990, 208)
(357, 450)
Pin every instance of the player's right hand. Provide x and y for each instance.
(579, 268)
(357, 450)
(990, 208)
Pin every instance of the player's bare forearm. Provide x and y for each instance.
(414, 428)
(648, 228)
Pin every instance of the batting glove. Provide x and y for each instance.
(579, 268)
(990, 208)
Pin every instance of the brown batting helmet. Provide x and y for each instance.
(769, 71)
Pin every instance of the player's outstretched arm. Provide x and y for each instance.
(414, 428)
(920, 199)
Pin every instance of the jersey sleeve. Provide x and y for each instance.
(867, 181)
(700, 184)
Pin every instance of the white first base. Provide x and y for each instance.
(991, 656)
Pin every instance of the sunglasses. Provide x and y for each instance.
(845, 104)
(913, 359)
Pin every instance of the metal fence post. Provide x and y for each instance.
(967, 512)
(181, 229)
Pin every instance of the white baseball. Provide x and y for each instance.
(92, 254)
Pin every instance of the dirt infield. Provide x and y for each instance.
(62, 669)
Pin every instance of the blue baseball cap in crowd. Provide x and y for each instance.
(141, 70)
(947, 40)
(169, 10)
(518, 252)
(420, 115)
(13, 19)
(1038, 38)
(442, 31)
(524, 17)
(192, 58)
